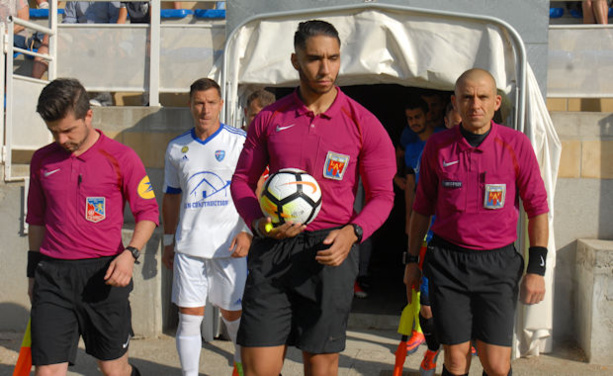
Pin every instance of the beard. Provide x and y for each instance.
(308, 84)
(73, 146)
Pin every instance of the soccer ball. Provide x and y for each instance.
(290, 195)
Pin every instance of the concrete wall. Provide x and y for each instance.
(594, 296)
(14, 302)
(582, 203)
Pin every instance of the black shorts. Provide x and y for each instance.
(291, 299)
(71, 299)
(473, 293)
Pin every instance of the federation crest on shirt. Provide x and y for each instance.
(95, 209)
(335, 165)
(220, 155)
(494, 196)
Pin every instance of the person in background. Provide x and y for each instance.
(595, 12)
(452, 117)
(205, 240)
(256, 101)
(436, 101)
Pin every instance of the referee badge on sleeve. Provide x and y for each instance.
(494, 196)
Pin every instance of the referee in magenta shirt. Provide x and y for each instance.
(79, 270)
(300, 283)
(472, 177)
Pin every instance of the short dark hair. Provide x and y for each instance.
(313, 28)
(203, 84)
(263, 96)
(60, 97)
(448, 108)
(417, 102)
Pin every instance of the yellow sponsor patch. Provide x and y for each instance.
(145, 189)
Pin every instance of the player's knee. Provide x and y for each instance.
(231, 315)
(456, 361)
(50, 370)
(253, 366)
(502, 369)
(115, 368)
(320, 364)
(194, 311)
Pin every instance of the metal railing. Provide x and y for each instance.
(144, 59)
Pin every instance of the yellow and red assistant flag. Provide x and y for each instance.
(24, 362)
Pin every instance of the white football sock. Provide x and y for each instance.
(189, 343)
(232, 327)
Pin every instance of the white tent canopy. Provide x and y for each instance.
(410, 47)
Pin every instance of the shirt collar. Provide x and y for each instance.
(487, 142)
(301, 108)
(95, 146)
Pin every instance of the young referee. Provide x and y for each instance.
(300, 284)
(80, 272)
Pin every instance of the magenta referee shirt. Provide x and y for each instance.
(475, 192)
(80, 200)
(334, 147)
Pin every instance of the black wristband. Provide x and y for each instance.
(33, 258)
(408, 258)
(537, 260)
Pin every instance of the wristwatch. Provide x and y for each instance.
(135, 253)
(357, 230)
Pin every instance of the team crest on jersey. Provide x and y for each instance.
(184, 149)
(220, 155)
(95, 209)
(145, 190)
(335, 165)
(494, 196)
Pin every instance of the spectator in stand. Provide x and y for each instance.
(595, 12)
(91, 12)
(139, 12)
(42, 4)
(19, 9)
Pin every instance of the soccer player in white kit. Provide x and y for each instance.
(205, 240)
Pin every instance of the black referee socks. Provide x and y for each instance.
(508, 374)
(447, 373)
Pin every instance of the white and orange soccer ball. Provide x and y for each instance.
(290, 195)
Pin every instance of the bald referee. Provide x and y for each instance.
(472, 177)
